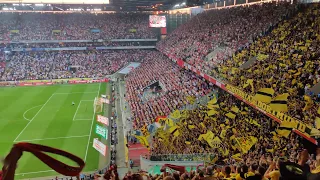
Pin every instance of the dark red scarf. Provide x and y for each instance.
(10, 162)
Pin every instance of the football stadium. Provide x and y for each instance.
(160, 90)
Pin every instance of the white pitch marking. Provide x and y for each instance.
(74, 116)
(34, 172)
(85, 157)
(76, 93)
(77, 112)
(33, 118)
(29, 110)
(67, 137)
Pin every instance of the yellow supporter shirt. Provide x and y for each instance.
(274, 175)
(238, 177)
(249, 174)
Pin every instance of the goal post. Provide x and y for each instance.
(98, 105)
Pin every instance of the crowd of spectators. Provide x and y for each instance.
(233, 133)
(225, 30)
(246, 122)
(288, 60)
(284, 38)
(68, 64)
(76, 26)
(177, 85)
(265, 169)
(78, 44)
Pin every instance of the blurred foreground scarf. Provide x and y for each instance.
(10, 162)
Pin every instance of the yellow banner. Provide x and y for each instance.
(266, 109)
(14, 31)
(56, 31)
(133, 30)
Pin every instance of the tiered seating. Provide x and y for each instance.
(288, 61)
(49, 26)
(227, 119)
(56, 65)
(234, 140)
(177, 83)
(224, 30)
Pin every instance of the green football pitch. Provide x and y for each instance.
(45, 115)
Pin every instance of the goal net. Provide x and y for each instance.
(98, 105)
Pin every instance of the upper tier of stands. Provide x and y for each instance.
(288, 61)
(49, 26)
(224, 30)
(278, 44)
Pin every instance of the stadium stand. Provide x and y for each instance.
(271, 46)
(287, 62)
(75, 26)
(222, 32)
(175, 86)
(56, 65)
(251, 59)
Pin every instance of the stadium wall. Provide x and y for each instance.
(51, 82)
(104, 161)
(146, 164)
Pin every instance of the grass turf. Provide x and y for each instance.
(45, 115)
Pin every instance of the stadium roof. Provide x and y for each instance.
(105, 5)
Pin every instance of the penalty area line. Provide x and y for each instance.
(75, 93)
(67, 137)
(36, 172)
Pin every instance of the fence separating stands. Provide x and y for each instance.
(148, 163)
(52, 82)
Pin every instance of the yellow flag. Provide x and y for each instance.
(318, 122)
(212, 112)
(237, 157)
(284, 132)
(191, 126)
(214, 143)
(230, 115)
(223, 133)
(176, 114)
(213, 101)
(279, 103)
(202, 136)
(144, 130)
(163, 121)
(174, 130)
(184, 114)
(202, 125)
(249, 83)
(308, 102)
(264, 95)
(235, 109)
(213, 106)
(262, 57)
(143, 141)
(191, 99)
(252, 121)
